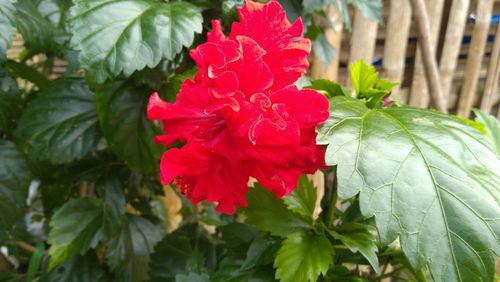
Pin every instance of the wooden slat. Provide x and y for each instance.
(333, 34)
(452, 43)
(476, 52)
(396, 41)
(419, 95)
(364, 34)
(491, 86)
(428, 54)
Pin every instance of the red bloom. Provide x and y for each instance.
(242, 116)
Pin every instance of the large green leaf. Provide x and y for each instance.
(14, 182)
(61, 124)
(78, 269)
(7, 11)
(130, 135)
(426, 177)
(492, 126)
(267, 213)
(10, 100)
(128, 252)
(73, 227)
(303, 257)
(117, 36)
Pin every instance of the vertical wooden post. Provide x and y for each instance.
(428, 54)
(475, 56)
(452, 42)
(493, 77)
(419, 94)
(364, 35)
(334, 36)
(396, 41)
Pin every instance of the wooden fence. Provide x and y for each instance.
(463, 44)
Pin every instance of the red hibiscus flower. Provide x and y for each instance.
(241, 116)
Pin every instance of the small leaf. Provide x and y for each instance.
(303, 257)
(303, 199)
(428, 178)
(39, 34)
(492, 128)
(267, 213)
(7, 11)
(10, 100)
(14, 183)
(128, 251)
(359, 238)
(72, 229)
(324, 50)
(122, 115)
(117, 36)
(363, 76)
(78, 269)
(192, 277)
(331, 89)
(61, 124)
(180, 252)
(369, 8)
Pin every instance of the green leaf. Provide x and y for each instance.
(128, 252)
(363, 76)
(114, 204)
(14, 183)
(35, 261)
(117, 36)
(7, 11)
(426, 177)
(359, 238)
(78, 269)
(10, 100)
(303, 199)
(372, 9)
(29, 73)
(324, 50)
(329, 88)
(60, 125)
(192, 277)
(188, 249)
(130, 135)
(303, 257)
(39, 34)
(492, 128)
(73, 227)
(267, 213)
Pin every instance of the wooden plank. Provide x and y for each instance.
(419, 95)
(452, 43)
(333, 34)
(476, 51)
(491, 86)
(428, 54)
(364, 34)
(396, 42)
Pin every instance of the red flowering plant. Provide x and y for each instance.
(403, 193)
(242, 116)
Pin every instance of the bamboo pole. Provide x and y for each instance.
(396, 41)
(475, 57)
(425, 43)
(419, 94)
(364, 35)
(490, 91)
(452, 43)
(333, 34)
